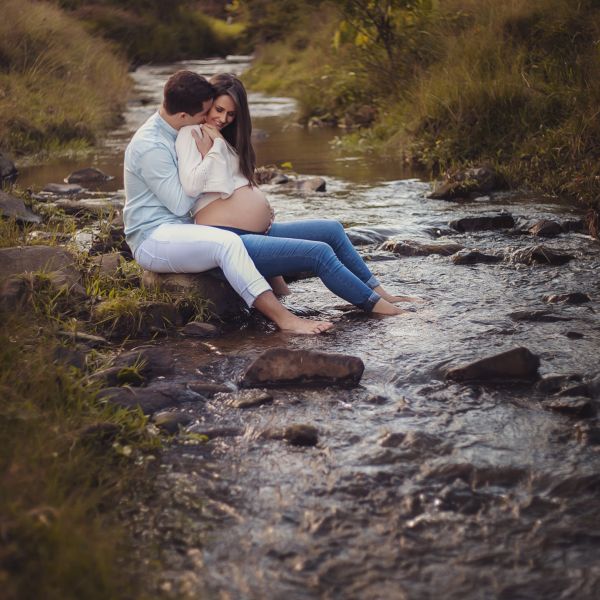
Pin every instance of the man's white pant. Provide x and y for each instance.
(188, 248)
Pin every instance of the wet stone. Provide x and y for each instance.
(485, 223)
(151, 399)
(539, 316)
(87, 175)
(247, 398)
(579, 389)
(410, 248)
(541, 255)
(301, 435)
(569, 298)
(63, 189)
(459, 497)
(546, 228)
(12, 207)
(588, 433)
(214, 432)
(469, 183)
(171, 422)
(473, 257)
(517, 363)
(208, 389)
(551, 384)
(574, 335)
(281, 366)
(572, 407)
(201, 330)
(392, 440)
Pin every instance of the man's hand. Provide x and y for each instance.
(203, 141)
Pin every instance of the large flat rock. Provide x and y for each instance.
(25, 259)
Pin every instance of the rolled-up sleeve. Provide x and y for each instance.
(158, 170)
(199, 175)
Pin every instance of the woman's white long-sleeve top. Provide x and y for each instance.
(216, 175)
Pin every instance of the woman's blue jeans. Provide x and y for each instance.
(320, 246)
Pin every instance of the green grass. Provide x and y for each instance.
(513, 84)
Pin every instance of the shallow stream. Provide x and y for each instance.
(418, 488)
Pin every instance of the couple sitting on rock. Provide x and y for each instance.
(192, 204)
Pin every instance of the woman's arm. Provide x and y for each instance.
(199, 174)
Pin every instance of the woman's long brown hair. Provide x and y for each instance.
(238, 134)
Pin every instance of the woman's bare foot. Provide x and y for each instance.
(383, 307)
(393, 299)
(295, 324)
(279, 286)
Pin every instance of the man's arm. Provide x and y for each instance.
(159, 171)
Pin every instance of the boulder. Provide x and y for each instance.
(14, 208)
(517, 363)
(540, 255)
(361, 236)
(281, 366)
(410, 248)
(26, 259)
(546, 228)
(62, 189)
(222, 298)
(484, 223)
(87, 175)
(569, 298)
(298, 434)
(271, 175)
(151, 399)
(474, 257)
(312, 184)
(8, 171)
(477, 181)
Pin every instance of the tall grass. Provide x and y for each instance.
(59, 86)
(513, 83)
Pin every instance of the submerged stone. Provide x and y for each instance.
(517, 363)
(171, 422)
(410, 248)
(201, 330)
(248, 398)
(541, 315)
(301, 435)
(570, 298)
(571, 406)
(62, 189)
(281, 366)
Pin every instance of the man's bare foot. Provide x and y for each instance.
(294, 324)
(279, 286)
(393, 299)
(383, 307)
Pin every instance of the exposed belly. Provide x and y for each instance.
(247, 208)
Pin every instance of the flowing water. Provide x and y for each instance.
(418, 488)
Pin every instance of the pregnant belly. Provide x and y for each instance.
(247, 208)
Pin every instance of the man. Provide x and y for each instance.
(158, 226)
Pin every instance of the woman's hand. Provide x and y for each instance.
(203, 142)
(212, 132)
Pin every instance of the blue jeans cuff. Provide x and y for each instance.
(373, 282)
(371, 302)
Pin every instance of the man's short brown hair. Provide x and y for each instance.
(186, 92)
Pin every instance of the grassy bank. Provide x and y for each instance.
(451, 82)
(157, 31)
(64, 469)
(60, 87)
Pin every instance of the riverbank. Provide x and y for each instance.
(451, 84)
(64, 71)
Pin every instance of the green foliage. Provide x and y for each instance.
(154, 31)
(455, 81)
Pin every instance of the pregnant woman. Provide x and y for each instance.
(221, 175)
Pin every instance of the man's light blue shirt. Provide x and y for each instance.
(153, 192)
